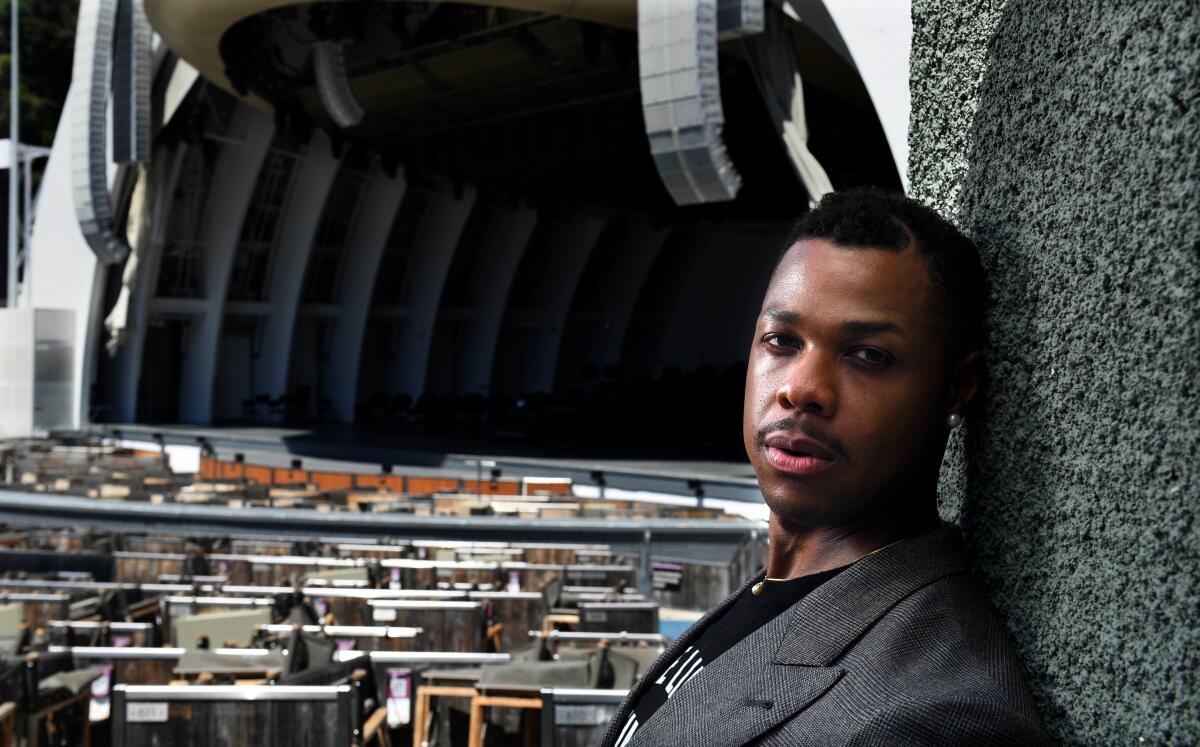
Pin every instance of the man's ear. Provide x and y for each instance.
(965, 381)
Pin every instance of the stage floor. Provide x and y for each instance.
(345, 448)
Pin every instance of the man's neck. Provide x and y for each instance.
(801, 550)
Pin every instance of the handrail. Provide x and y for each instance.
(142, 653)
(423, 657)
(115, 626)
(567, 635)
(220, 601)
(702, 539)
(420, 604)
(617, 606)
(34, 597)
(231, 692)
(348, 631)
(220, 519)
(581, 695)
(139, 653)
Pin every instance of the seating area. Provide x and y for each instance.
(152, 637)
(387, 647)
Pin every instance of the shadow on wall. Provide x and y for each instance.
(1078, 489)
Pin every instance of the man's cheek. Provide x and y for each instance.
(764, 368)
(876, 444)
(758, 396)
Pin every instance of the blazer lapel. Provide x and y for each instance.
(837, 613)
(665, 660)
(739, 696)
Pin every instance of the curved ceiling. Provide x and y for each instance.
(193, 28)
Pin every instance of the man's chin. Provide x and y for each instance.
(807, 510)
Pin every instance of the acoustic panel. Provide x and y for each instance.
(89, 101)
(681, 99)
(333, 84)
(131, 84)
(737, 18)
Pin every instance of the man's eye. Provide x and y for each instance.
(872, 356)
(780, 342)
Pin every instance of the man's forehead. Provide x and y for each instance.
(818, 276)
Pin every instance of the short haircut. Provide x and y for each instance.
(870, 218)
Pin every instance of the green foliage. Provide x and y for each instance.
(47, 35)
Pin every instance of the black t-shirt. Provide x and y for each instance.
(747, 614)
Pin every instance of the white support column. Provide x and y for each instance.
(571, 244)
(635, 255)
(444, 223)
(236, 171)
(364, 250)
(66, 272)
(162, 177)
(299, 220)
(499, 258)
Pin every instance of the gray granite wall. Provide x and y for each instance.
(1065, 138)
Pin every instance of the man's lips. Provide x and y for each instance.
(798, 455)
(801, 445)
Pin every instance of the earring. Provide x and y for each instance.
(954, 420)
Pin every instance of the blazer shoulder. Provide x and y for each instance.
(957, 607)
(946, 646)
(953, 719)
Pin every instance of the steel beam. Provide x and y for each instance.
(365, 248)
(443, 225)
(235, 172)
(298, 227)
(499, 259)
(141, 277)
(635, 255)
(678, 538)
(570, 255)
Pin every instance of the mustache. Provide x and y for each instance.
(808, 428)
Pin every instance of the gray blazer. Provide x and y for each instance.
(901, 648)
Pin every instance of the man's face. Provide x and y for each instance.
(845, 393)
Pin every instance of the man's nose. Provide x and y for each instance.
(810, 385)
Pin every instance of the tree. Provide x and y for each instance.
(47, 35)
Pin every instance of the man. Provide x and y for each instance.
(866, 627)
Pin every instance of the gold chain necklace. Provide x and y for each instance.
(757, 589)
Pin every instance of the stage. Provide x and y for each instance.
(347, 449)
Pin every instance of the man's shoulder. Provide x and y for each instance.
(955, 606)
(946, 645)
(937, 667)
(950, 621)
(956, 719)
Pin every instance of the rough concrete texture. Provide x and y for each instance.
(1064, 136)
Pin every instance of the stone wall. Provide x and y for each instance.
(1065, 138)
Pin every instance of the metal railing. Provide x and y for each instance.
(702, 539)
